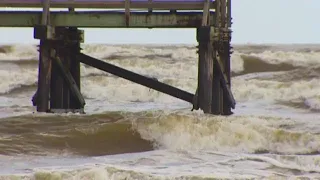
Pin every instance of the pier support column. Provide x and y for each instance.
(214, 94)
(41, 98)
(205, 70)
(225, 57)
(217, 99)
(222, 98)
(64, 81)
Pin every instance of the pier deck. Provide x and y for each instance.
(111, 4)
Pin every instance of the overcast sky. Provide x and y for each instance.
(255, 21)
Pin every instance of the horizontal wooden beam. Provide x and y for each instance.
(110, 4)
(104, 19)
(58, 33)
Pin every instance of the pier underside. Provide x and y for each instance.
(60, 54)
(104, 19)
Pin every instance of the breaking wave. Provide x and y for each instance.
(124, 132)
(95, 135)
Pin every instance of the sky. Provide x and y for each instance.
(254, 21)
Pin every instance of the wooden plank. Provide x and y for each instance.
(229, 101)
(71, 9)
(204, 91)
(223, 10)
(41, 98)
(137, 78)
(74, 49)
(218, 13)
(149, 4)
(46, 13)
(44, 69)
(65, 95)
(44, 77)
(206, 9)
(58, 33)
(223, 60)
(110, 4)
(127, 12)
(70, 82)
(217, 93)
(223, 99)
(105, 19)
(216, 89)
(229, 13)
(57, 87)
(205, 79)
(225, 83)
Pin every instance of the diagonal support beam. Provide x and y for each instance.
(70, 82)
(134, 77)
(225, 83)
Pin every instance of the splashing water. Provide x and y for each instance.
(132, 132)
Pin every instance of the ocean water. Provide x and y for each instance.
(130, 132)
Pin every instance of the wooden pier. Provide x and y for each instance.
(60, 53)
